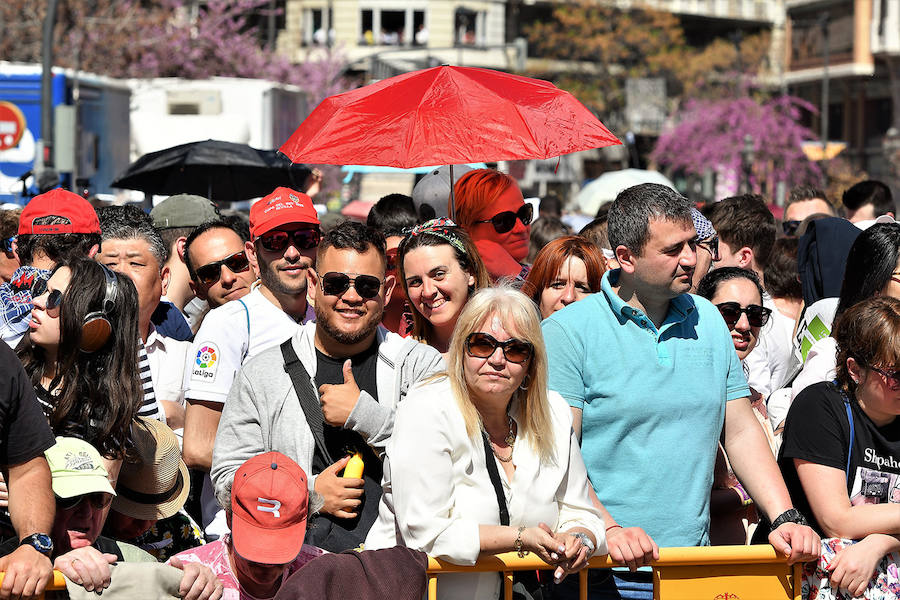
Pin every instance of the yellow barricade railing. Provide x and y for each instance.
(57, 584)
(705, 573)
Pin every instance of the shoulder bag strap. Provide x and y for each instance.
(309, 399)
(850, 420)
(495, 479)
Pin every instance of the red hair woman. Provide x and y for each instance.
(564, 271)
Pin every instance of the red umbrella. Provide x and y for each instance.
(446, 115)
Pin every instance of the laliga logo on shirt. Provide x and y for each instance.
(206, 362)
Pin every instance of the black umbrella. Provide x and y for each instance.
(220, 171)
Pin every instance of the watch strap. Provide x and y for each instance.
(791, 515)
(40, 542)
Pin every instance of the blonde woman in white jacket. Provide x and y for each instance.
(483, 458)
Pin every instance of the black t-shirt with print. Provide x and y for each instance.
(817, 430)
(24, 432)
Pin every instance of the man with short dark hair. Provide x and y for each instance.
(216, 260)
(803, 201)
(9, 258)
(54, 227)
(360, 370)
(868, 200)
(651, 401)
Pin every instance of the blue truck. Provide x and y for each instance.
(91, 130)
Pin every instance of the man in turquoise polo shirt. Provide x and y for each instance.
(652, 377)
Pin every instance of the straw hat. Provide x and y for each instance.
(155, 485)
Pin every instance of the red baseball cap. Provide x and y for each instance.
(269, 504)
(281, 207)
(59, 203)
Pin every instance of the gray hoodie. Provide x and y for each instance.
(263, 414)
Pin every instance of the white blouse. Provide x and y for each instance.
(437, 490)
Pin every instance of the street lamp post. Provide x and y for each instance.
(748, 154)
(823, 23)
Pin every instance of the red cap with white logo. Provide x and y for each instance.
(269, 503)
(284, 206)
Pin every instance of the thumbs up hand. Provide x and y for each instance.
(338, 400)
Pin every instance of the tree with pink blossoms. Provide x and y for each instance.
(710, 134)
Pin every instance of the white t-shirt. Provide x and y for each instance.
(771, 359)
(229, 335)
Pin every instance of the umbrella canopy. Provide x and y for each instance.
(221, 171)
(444, 116)
(606, 187)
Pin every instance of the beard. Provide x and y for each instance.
(324, 320)
(268, 273)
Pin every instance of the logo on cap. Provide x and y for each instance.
(79, 461)
(270, 509)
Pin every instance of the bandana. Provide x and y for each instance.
(442, 227)
(703, 225)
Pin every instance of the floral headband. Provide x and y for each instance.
(442, 227)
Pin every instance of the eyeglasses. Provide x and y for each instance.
(483, 345)
(790, 227)
(892, 377)
(712, 246)
(7, 244)
(895, 277)
(54, 299)
(757, 315)
(211, 273)
(506, 220)
(335, 284)
(302, 239)
(98, 500)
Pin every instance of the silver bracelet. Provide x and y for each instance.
(585, 541)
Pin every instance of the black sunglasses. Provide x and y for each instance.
(757, 315)
(335, 284)
(40, 288)
(98, 500)
(892, 377)
(8, 243)
(302, 239)
(790, 227)
(506, 220)
(712, 246)
(211, 273)
(483, 345)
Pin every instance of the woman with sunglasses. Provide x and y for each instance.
(483, 459)
(737, 294)
(564, 271)
(439, 268)
(81, 355)
(841, 457)
(490, 207)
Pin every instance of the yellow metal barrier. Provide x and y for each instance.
(58, 584)
(706, 573)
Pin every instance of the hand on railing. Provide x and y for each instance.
(26, 572)
(631, 546)
(798, 542)
(88, 567)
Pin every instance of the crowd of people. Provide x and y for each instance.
(204, 406)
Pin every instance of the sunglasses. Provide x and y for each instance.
(54, 299)
(211, 273)
(483, 345)
(790, 227)
(712, 246)
(895, 277)
(335, 284)
(98, 500)
(506, 220)
(8, 244)
(757, 315)
(302, 239)
(892, 377)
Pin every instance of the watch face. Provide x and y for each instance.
(40, 542)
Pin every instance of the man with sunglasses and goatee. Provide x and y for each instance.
(284, 231)
(653, 380)
(329, 392)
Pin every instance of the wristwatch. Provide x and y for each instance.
(791, 515)
(40, 542)
(585, 541)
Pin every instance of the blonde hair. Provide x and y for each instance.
(520, 317)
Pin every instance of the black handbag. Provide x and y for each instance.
(527, 585)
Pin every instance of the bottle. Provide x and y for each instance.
(354, 468)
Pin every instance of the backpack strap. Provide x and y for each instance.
(849, 420)
(309, 399)
(246, 315)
